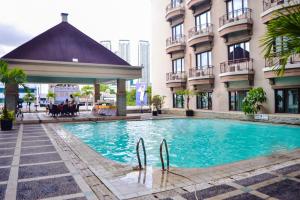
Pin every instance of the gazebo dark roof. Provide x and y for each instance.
(63, 43)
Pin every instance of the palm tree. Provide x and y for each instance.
(15, 76)
(286, 26)
(29, 98)
(51, 96)
(86, 92)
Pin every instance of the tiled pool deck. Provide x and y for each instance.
(46, 162)
(33, 167)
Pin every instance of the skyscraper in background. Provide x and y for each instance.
(106, 43)
(144, 60)
(124, 50)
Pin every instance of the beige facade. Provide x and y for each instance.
(225, 73)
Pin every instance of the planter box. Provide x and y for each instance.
(189, 113)
(6, 125)
(154, 113)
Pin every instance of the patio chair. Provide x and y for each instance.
(65, 110)
(54, 111)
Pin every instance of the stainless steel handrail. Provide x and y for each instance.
(164, 142)
(138, 153)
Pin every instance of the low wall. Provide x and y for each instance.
(293, 119)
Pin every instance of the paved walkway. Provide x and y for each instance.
(32, 167)
(38, 163)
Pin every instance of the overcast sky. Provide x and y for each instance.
(21, 20)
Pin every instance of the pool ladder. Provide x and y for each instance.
(163, 143)
(141, 141)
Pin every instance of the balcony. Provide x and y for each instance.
(176, 44)
(201, 34)
(292, 68)
(202, 76)
(174, 11)
(176, 80)
(272, 6)
(192, 4)
(236, 21)
(237, 70)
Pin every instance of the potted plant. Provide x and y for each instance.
(14, 76)
(188, 94)
(155, 102)
(7, 118)
(161, 103)
(253, 102)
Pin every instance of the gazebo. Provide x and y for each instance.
(63, 54)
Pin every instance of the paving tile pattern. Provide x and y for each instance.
(31, 167)
(255, 179)
(47, 188)
(4, 174)
(2, 191)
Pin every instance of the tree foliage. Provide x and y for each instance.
(10, 76)
(253, 100)
(131, 97)
(285, 25)
(188, 94)
(51, 95)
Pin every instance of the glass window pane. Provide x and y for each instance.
(293, 101)
(279, 100)
(204, 60)
(231, 100)
(240, 98)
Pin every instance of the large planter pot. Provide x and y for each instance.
(159, 112)
(189, 113)
(154, 113)
(6, 125)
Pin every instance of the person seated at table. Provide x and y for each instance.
(60, 106)
(66, 102)
(72, 102)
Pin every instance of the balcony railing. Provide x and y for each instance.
(276, 61)
(179, 39)
(267, 4)
(244, 13)
(240, 65)
(172, 6)
(177, 76)
(199, 30)
(198, 73)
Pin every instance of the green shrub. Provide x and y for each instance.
(253, 100)
(7, 115)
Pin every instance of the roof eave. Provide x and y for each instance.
(78, 64)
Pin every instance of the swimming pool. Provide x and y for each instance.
(192, 142)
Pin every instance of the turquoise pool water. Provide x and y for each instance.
(192, 142)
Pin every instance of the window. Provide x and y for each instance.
(178, 65)
(178, 101)
(177, 31)
(204, 101)
(280, 44)
(236, 100)
(236, 8)
(176, 3)
(239, 51)
(203, 60)
(202, 21)
(287, 100)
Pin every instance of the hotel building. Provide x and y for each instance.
(213, 47)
